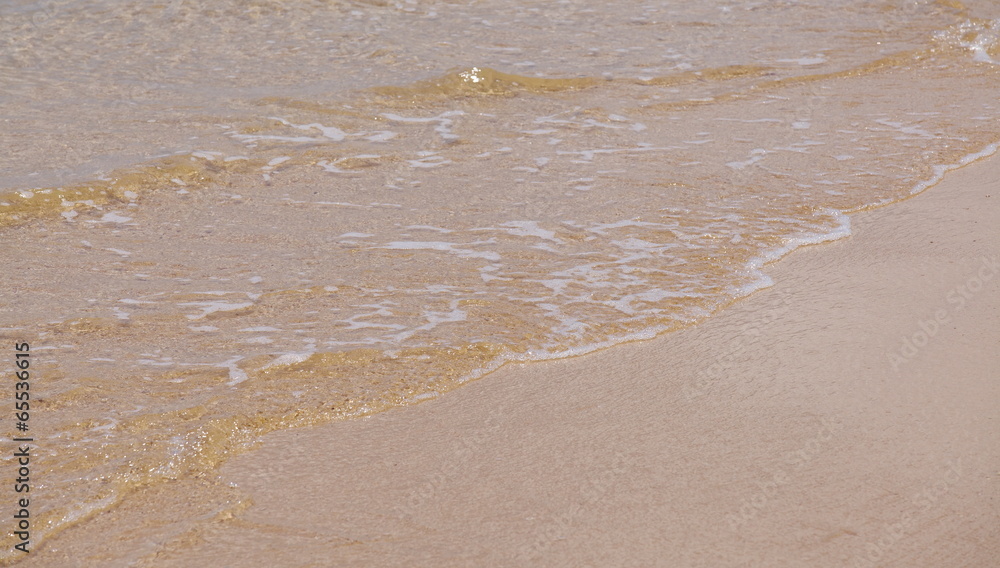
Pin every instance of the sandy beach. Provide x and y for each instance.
(846, 416)
(398, 283)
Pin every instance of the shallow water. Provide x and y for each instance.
(228, 218)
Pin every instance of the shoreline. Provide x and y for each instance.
(845, 416)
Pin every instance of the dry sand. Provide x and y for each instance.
(782, 432)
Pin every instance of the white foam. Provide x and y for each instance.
(432, 161)
(338, 203)
(251, 138)
(529, 229)
(756, 155)
(939, 171)
(434, 319)
(114, 217)
(328, 132)
(430, 228)
(290, 359)
(236, 374)
(913, 130)
(379, 136)
(212, 307)
(588, 155)
(752, 121)
(443, 120)
(754, 265)
(441, 246)
(603, 228)
(805, 61)
(976, 37)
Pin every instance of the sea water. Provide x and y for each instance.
(223, 218)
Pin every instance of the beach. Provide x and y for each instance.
(518, 283)
(796, 428)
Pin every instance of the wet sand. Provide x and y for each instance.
(847, 416)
